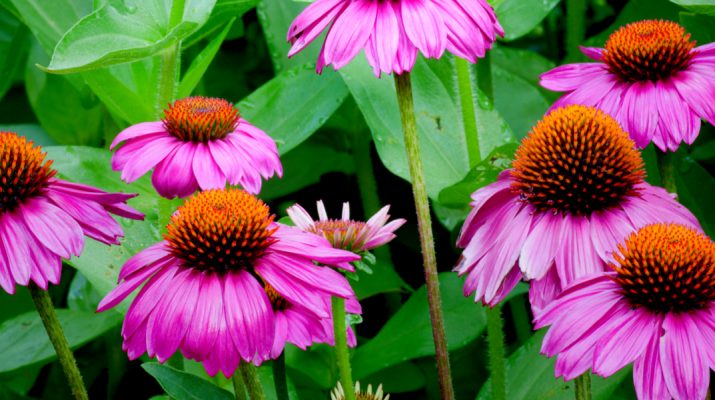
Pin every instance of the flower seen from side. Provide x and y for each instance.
(651, 77)
(575, 191)
(338, 393)
(44, 219)
(201, 143)
(392, 32)
(229, 284)
(654, 308)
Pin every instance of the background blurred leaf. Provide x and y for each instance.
(184, 386)
(223, 12)
(14, 39)
(276, 16)
(519, 17)
(23, 340)
(201, 62)
(637, 10)
(698, 6)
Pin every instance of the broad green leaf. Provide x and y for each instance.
(31, 131)
(294, 104)
(123, 32)
(701, 27)
(698, 6)
(201, 63)
(82, 296)
(24, 341)
(696, 190)
(223, 12)
(404, 377)
(275, 17)
(408, 334)
(439, 121)
(14, 38)
(184, 386)
(49, 20)
(530, 376)
(382, 280)
(315, 367)
(519, 17)
(637, 10)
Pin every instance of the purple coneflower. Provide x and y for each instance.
(44, 219)
(226, 282)
(202, 143)
(655, 308)
(650, 77)
(392, 32)
(575, 191)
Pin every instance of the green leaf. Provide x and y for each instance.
(294, 104)
(184, 386)
(223, 12)
(14, 38)
(123, 32)
(637, 10)
(24, 341)
(698, 6)
(530, 376)
(439, 121)
(696, 190)
(201, 63)
(49, 20)
(382, 280)
(275, 17)
(408, 334)
(31, 131)
(519, 17)
(701, 27)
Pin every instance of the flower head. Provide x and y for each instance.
(575, 191)
(650, 77)
(393, 31)
(345, 233)
(228, 283)
(202, 143)
(654, 307)
(44, 219)
(338, 393)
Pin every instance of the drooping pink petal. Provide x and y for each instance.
(648, 376)
(248, 315)
(625, 342)
(685, 367)
(207, 172)
(52, 227)
(424, 27)
(138, 130)
(539, 249)
(174, 176)
(571, 76)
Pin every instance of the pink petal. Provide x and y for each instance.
(625, 342)
(685, 368)
(539, 249)
(424, 27)
(174, 177)
(207, 172)
(52, 227)
(571, 76)
(249, 316)
(648, 376)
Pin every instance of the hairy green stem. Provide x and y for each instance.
(424, 223)
(250, 379)
(466, 99)
(666, 167)
(583, 387)
(238, 387)
(43, 303)
(170, 62)
(341, 347)
(575, 27)
(495, 344)
(279, 377)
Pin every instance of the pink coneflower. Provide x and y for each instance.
(392, 32)
(576, 190)
(344, 233)
(44, 219)
(223, 279)
(650, 77)
(201, 143)
(655, 308)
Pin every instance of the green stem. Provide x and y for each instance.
(495, 343)
(250, 379)
(43, 303)
(666, 167)
(424, 223)
(170, 62)
(583, 387)
(575, 27)
(484, 76)
(279, 377)
(466, 98)
(238, 387)
(341, 347)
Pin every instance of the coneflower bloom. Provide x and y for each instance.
(392, 32)
(650, 77)
(44, 219)
(575, 191)
(225, 278)
(655, 307)
(338, 393)
(345, 233)
(202, 143)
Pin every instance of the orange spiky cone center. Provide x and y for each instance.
(23, 170)
(576, 160)
(667, 268)
(200, 119)
(220, 230)
(650, 50)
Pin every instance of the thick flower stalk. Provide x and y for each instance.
(575, 191)
(654, 308)
(651, 77)
(201, 143)
(229, 285)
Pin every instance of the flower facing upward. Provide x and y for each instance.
(655, 308)
(202, 143)
(43, 219)
(228, 283)
(576, 189)
(344, 233)
(339, 394)
(392, 32)
(650, 77)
